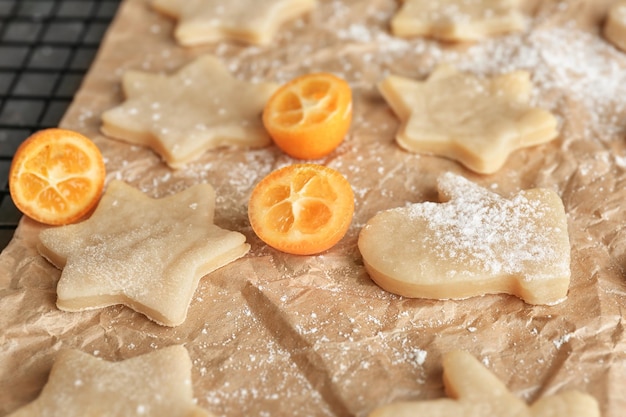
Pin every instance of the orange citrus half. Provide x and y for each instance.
(56, 176)
(309, 116)
(302, 209)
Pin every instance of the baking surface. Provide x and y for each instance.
(46, 47)
(274, 334)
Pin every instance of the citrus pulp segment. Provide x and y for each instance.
(302, 209)
(56, 176)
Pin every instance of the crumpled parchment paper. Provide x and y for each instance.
(275, 334)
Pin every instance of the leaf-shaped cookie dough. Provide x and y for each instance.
(475, 242)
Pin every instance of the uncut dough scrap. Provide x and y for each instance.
(473, 243)
(206, 21)
(148, 254)
(476, 392)
(194, 110)
(476, 121)
(156, 384)
(457, 20)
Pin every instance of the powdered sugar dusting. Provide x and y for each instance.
(566, 63)
(482, 230)
(586, 70)
(241, 367)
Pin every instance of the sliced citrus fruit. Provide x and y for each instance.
(56, 176)
(302, 209)
(309, 116)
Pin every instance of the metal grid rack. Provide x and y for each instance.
(46, 47)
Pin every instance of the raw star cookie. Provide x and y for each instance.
(476, 392)
(615, 25)
(148, 254)
(457, 20)
(248, 21)
(156, 384)
(476, 121)
(474, 242)
(180, 116)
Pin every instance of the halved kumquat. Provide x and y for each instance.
(302, 209)
(56, 176)
(309, 116)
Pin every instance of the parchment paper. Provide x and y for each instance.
(273, 334)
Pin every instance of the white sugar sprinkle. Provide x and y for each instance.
(475, 223)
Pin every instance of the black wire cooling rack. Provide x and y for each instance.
(46, 47)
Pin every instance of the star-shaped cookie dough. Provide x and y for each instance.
(615, 25)
(476, 392)
(180, 116)
(148, 254)
(156, 384)
(248, 21)
(476, 121)
(457, 20)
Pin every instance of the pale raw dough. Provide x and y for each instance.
(156, 384)
(615, 25)
(254, 21)
(476, 392)
(476, 121)
(148, 254)
(182, 115)
(457, 20)
(475, 242)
